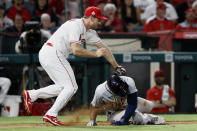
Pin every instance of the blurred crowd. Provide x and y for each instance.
(123, 15)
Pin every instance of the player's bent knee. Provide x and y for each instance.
(150, 105)
(72, 90)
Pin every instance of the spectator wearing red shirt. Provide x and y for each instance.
(57, 5)
(41, 7)
(189, 23)
(181, 9)
(158, 22)
(18, 8)
(161, 95)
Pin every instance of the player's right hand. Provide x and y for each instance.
(92, 123)
(101, 52)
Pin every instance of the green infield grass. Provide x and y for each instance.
(185, 122)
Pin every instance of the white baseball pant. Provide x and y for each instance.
(4, 85)
(144, 105)
(60, 71)
(138, 118)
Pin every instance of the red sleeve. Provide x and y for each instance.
(172, 25)
(26, 15)
(149, 95)
(178, 27)
(52, 3)
(171, 92)
(11, 13)
(147, 27)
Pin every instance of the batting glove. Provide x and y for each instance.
(92, 123)
(120, 70)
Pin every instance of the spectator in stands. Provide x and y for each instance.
(151, 11)
(4, 20)
(18, 25)
(176, 2)
(142, 5)
(46, 22)
(130, 15)
(5, 84)
(18, 8)
(159, 21)
(189, 23)
(101, 4)
(113, 24)
(58, 7)
(74, 8)
(194, 6)
(42, 6)
(181, 9)
(6, 3)
(161, 94)
(29, 4)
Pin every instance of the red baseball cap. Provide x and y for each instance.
(159, 73)
(161, 5)
(95, 12)
(190, 10)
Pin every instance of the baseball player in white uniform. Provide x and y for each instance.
(66, 40)
(5, 84)
(118, 97)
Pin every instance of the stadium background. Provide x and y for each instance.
(133, 51)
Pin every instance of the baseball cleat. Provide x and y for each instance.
(53, 120)
(27, 102)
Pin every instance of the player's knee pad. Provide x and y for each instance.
(144, 105)
(71, 90)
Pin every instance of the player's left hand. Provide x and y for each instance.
(120, 70)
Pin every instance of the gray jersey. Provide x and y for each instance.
(104, 95)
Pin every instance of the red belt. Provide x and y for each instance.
(50, 44)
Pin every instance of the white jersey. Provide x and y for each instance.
(72, 31)
(142, 4)
(151, 11)
(104, 95)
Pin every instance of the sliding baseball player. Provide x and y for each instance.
(118, 97)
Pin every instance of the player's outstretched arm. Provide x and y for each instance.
(108, 55)
(93, 115)
(80, 51)
(119, 70)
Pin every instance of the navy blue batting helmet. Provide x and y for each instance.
(117, 85)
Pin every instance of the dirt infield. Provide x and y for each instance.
(84, 124)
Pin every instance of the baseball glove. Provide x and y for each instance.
(120, 71)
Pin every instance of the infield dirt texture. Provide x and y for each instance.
(77, 122)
